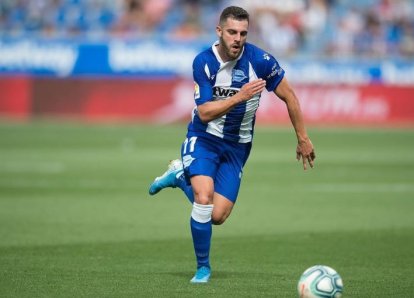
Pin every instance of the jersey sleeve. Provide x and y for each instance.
(273, 73)
(203, 90)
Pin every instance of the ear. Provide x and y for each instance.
(219, 31)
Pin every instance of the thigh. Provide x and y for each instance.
(230, 171)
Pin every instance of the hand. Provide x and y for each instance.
(250, 89)
(305, 151)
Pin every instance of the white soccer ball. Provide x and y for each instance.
(320, 281)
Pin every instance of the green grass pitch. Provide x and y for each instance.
(76, 219)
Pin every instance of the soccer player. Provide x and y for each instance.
(229, 78)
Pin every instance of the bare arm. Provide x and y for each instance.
(304, 149)
(214, 109)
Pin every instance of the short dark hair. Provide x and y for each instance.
(234, 12)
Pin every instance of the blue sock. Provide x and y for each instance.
(186, 188)
(201, 233)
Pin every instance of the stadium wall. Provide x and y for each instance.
(171, 100)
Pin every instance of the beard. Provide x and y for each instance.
(232, 51)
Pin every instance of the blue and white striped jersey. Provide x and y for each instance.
(217, 80)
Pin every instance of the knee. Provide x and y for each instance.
(217, 222)
(203, 198)
(218, 219)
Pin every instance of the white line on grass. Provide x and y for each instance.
(363, 187)
(24, 183)
(46, 167)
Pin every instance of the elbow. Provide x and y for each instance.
(204, 115)
(204, 118)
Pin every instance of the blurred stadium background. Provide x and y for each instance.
(351, 61)
(94, 99)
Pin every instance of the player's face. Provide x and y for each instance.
(233, 35)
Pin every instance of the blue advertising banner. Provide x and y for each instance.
(69, 58)
(161, 58)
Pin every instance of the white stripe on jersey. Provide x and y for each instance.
(207, 70)
(215, 127)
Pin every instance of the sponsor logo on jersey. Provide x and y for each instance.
(219, 92)
(196, 91)
(266, 56)
(238, 75)
(276, 70)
